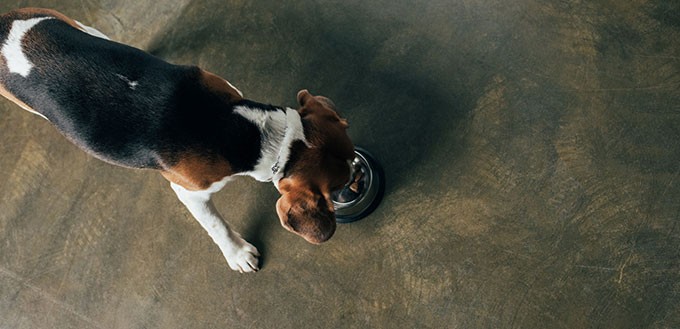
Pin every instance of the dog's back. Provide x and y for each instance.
(77, 80)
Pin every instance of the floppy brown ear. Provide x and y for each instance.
(307, 214)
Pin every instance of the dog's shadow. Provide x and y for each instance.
(261, 223)
(249, 206)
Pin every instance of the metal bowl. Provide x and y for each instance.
(362, 194)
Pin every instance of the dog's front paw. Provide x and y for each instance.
(243, 257)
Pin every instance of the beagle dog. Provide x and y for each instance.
(129, 108)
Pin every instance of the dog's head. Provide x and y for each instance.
(305, 206)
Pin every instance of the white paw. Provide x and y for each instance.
(243, 257)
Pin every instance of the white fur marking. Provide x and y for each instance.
(279, 130)
(12, 51)
(92, 31)
(240, 255)
(34, 112)
(230, 85)
(133, 84)
(294, 132)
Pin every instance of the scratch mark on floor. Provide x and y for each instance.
(597, 267)
(621, 273)
(670, 183)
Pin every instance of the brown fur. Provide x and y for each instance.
(197, 172)
(304, 210)
(218, 85)
(305, 206)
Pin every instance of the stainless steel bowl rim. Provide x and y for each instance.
(364, 201)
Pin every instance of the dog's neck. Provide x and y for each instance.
(279, 129)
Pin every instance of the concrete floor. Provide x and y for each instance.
(531, 149)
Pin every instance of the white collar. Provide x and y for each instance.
(293, 131)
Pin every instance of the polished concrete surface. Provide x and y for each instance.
(531, 148)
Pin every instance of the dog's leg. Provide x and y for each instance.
(241, 255)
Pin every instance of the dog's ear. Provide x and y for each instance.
(306, 212)
(305, 99)
(304, 96)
